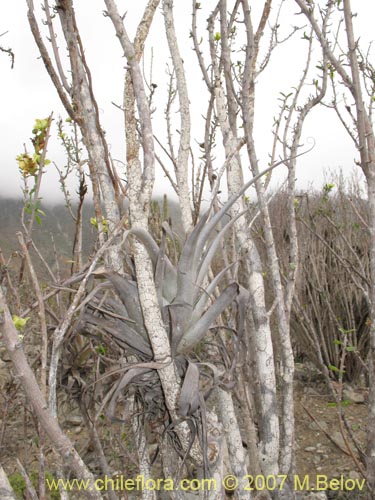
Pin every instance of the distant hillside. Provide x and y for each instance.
(58, 224)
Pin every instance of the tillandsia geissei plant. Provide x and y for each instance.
(190, 304)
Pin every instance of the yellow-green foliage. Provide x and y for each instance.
(17, 482)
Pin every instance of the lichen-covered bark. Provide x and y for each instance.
(234, 442)
(87, 118)
(265, 366)
(353, 76)
(141, 181)
(370, 451)
(182, 170)
(287, 366)
(143, 454)
(269, 425)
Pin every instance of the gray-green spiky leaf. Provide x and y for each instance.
(198, 330)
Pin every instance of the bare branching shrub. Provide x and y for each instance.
(331, 300)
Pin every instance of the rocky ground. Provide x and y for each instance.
(321, 451)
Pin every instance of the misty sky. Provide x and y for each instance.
(27, 92)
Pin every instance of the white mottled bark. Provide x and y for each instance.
(88, 120)
(215, 454)
(353, 76)
(140, 191)
(370, 451)
(141, 181)
(142, 454)
(366, 140)
(237, 457)
(269, 425)
(182, 170)
(287, 368)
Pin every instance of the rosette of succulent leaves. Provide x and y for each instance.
(190, 305)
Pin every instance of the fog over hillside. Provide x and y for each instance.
(56, 228)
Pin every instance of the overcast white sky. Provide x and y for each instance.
(27, 93)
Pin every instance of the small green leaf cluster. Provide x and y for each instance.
(18, 322)
(32, 207)
(94, 222)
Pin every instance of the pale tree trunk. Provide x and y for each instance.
(182, 167)
(88, 120)
(283, 293)
(141, 182)
(366, 140)
(215, 457)
(140, 190)
(6, 490)
(269, 425)
(83, 110)
(59, 441)
(234, 442)
(370, 452)
(247, 395)
(248, 94)
(287, 415)
(276, 432)
(142, 454)
(265, 364)
(365, 143)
